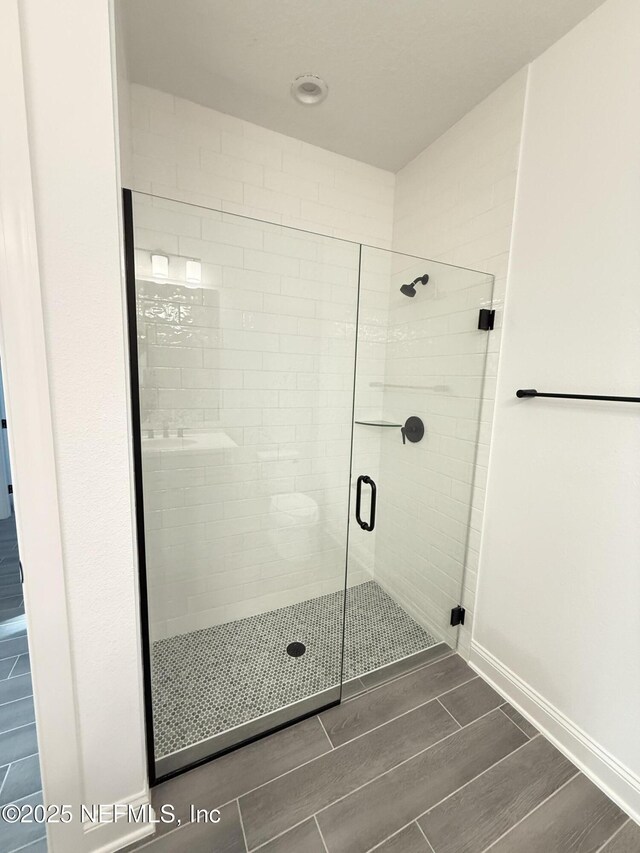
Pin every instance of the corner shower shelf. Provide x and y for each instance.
(379, 424)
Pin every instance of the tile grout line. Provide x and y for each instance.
(400, 675)
(26, 846)
(392, 679)
(424, 834)
(501, 708)
(535, 809)
(324, 843)
(244, 834)
(326, 733)
(13, 667)
(280, 834)
(444, 799)
(24, 757)
(6, 776)
(448, 712)
(610, 839)
(17, 676)
(13, 701)
(15, 729)
(464, 684)
(33, 840)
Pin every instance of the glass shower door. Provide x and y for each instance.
(243, 339)
(419, 386)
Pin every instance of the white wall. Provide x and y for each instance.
(454, 203)
(558, 625)
(67, 63)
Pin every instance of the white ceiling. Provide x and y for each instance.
(400, 72)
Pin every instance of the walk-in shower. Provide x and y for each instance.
(305, 446)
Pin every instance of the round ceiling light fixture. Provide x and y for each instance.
(309, 89)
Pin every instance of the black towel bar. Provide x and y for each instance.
(531, 392)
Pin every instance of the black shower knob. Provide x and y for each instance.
(413, 430)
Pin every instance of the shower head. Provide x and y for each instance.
(410, 289)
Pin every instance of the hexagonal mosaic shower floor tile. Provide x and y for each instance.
(208, 681)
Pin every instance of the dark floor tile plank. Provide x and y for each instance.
(365, 712)
(302, 839)
(18, 744)
(226, 778)
(22, 780)
(13, 646)
(10, 570)
(15, 688)
(6, 667)
(16, 714)
(222, 837)
(520, 721)
(626, 841)
(7, 588)
(9, 617)
(408, 840)
(486, 808)
(37, 847)
(22, 667)
(13, 629)
(367, 816)
(284, 802)
(14, 836)
(577, 819)
(406, 665)
(9, 602)
(471, 700)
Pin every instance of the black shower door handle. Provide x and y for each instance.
(364, 478)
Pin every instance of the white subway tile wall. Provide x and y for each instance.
(186, 152)
(434, 369)
(246, 406)
(191, 153)
(454, 203)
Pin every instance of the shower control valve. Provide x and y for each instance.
(413, 429)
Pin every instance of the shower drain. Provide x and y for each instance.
(296, 650)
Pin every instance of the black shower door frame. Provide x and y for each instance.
(161, 770)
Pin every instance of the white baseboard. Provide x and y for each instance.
(618, 782)
(110, 836)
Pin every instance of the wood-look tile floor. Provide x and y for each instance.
(430, 762)
(19, 764)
